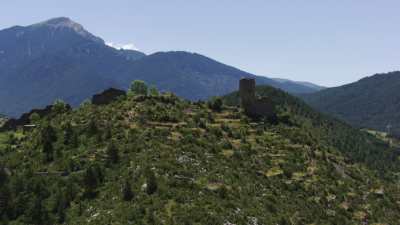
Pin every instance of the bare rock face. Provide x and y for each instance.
(66, 23)
(253, 106)
(107, 96)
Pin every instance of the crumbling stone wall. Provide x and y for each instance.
(247, 91)
(107, 96)
(253, 106)
(13, 124)
(103, 98)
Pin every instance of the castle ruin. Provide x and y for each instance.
(254, 107)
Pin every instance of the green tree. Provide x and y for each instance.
(48, 150)
(60, 204)
(47, 138)
(92, 127)
(90, 181)
(59, 106)
(153, 91)
(48, 134)
(152, 185)
(112, 153)
(5, 199)
(215, 104)
(139, 87)
(3, 176)
(37, 213)
(127, 193)
(68, 134)
(34, 118)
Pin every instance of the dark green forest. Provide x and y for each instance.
(373, 102)
(154, 158)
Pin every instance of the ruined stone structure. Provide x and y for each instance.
(24, 120)
(254, 107)
(103, 98)
(107, 96)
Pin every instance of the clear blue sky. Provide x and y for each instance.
(329, 42)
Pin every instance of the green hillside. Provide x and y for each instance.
(163, 160)
(372, 102)
(326, 130)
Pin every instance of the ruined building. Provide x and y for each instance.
(107, 96)
(103, 98)
(25, 119)
(254, 107)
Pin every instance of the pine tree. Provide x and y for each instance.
(59, 206)
(37, 213)
(92, 127)
(127, 193)
(3, 176)
(68, 134)
(215, 104)
(48, 150)
(5, 196)
(112, 153)
(152, 185)
(48, 134)
(90, 181)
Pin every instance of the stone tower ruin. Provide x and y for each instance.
(247, 90)
(253, 106)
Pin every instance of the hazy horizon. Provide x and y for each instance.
(329, 44)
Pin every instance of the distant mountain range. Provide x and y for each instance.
(59, 59)
(372, 102)
(313, 87)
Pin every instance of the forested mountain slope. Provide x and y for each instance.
(59, 59)
(159, 159)
(372, 102)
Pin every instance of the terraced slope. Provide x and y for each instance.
(163, 160)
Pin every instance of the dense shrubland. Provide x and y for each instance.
(152, 158)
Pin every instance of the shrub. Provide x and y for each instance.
(138, 87)
(152, 185)
(112, 153)
(127, 193)
(215, 104)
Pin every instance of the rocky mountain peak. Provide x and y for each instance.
(67, 23)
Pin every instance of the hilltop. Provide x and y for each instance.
(2, 119)
(60, 59)
(159, 159)
(372, 102)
